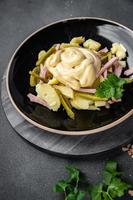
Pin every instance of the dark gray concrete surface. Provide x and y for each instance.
(27, 173)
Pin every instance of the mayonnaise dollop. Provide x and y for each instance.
(74, 66)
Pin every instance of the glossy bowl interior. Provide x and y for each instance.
(24, 59)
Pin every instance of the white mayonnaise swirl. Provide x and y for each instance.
(74, 66)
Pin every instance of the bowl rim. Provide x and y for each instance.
(57, 131)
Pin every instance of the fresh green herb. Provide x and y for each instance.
(111, 187)
(112, 87)
(96, 191)
(71, 186)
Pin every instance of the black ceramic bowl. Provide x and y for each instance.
(24, 59)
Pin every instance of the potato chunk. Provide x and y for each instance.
(68, 92)
(92, 44)
(81, 103)
(48, 93)
(77, 40)
(119, 50)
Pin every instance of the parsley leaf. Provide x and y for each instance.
(78, 196)
(71, 196)
(111, 166)
(107, 176)
(96, 191)
(106, 196)
(112, 87)
(60, 186)
(71, 186)
(117, 187)
(110, 171)
(112, 185)
(73, 173)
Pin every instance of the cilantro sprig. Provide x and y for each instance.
(112, 185)
(112, 87)
(76, 188)
(71, 187)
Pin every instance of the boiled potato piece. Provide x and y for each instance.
(92, 44)
(48, 93)
(122, 63)
(41, 53)
(67, 45)
(75, 105)
(81, 103)
(68, 92)
(119, 50)
(93, 108)
(100, 103)
(77, 40)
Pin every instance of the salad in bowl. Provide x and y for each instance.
(80, 75)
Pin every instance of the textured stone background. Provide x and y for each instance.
(27, 173)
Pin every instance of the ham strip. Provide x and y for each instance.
(38, 100)
(118, 69)
(107, 105)
(107, 65)
(43, 71)
(114, 101)
(104, 50)
(87, 90)
(105, 74)
(129, 71)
